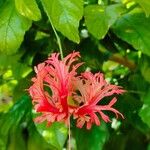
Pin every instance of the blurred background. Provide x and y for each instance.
(112, 36)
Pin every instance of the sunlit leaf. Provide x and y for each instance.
(29, 9)
(12, 28)
(36, 140)
(65, 16)
(134, 28)
(56, 134)
(99, 18)
(145, 4)
(18, 69)
(20, 110)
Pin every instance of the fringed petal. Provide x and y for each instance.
(57, 76)
(57, 92)
(93, 88)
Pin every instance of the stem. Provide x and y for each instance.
(136, 92)
(69, 144)
(118, 58)
(122, 60)
(57, 38)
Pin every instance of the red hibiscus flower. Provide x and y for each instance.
(55, 76)
(91, 90)
(58, 92)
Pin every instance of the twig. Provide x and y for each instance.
(57, 37)
(69, 144)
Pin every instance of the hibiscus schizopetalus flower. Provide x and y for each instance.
(58, 92)
(93, 88)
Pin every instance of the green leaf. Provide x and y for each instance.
(113, 12)
(145, 68)
(6, 61)
(98, 18)
(16, 140)
(134, 28)
(10, 121)
(29, 9)
(12, 28)
(21, 107)
(96, 21)
(36, 140)
(55, 135)
(93, 139)
(18, 130)
(65, 16)
(145, 110)
(19, 70)
(145, 4)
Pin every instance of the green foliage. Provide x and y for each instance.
(99, 18)
(28, 9)
(145, 5)
(113, 38)
(18, 131)
(145, 68)
(133, 27)
(144, 112)
(56, 134)
(12, 28)
(97, 134)
(65, 15)
(11, 120)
